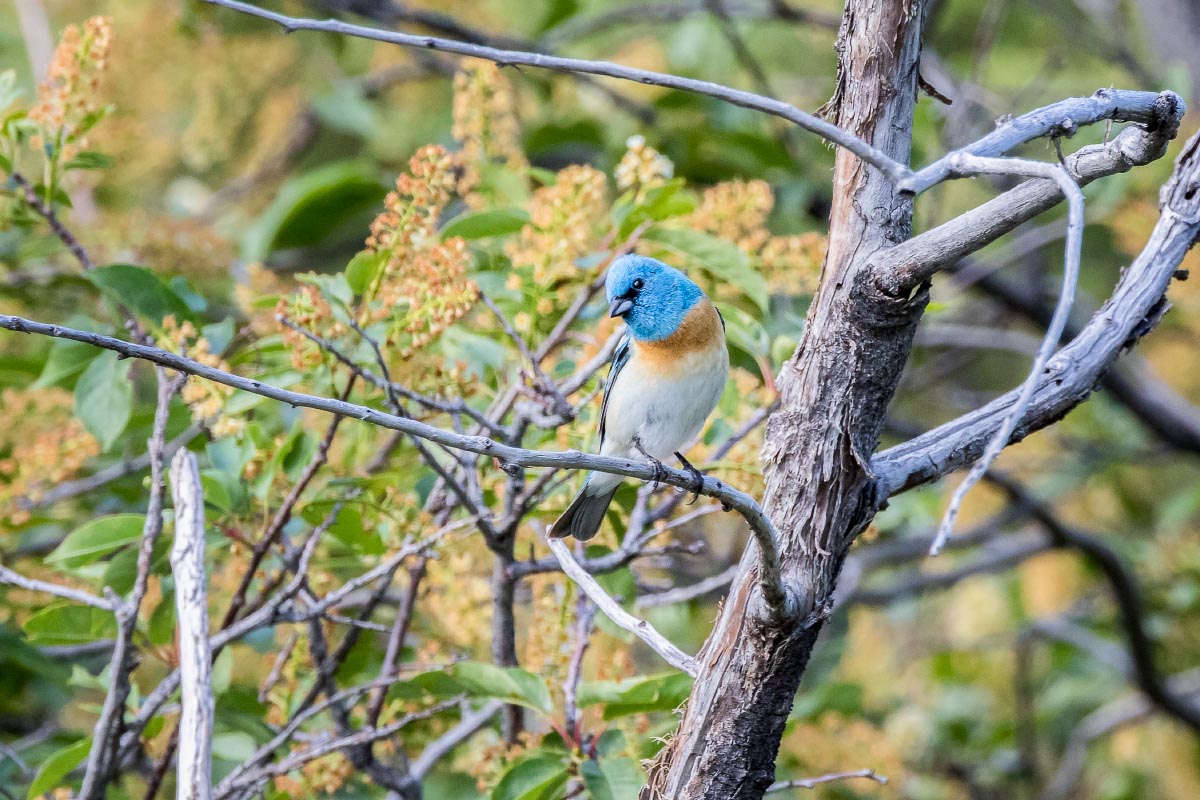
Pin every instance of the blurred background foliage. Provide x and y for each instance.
(241, 172)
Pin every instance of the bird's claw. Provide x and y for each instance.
(660, 471)
(697, 478)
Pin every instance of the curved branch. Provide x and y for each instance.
(1134, 308)
(969, 164)
(622, 618)
(810, 122)
(1063, 118)
(744, 504)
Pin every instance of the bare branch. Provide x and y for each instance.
(191, 607)
(569, 459)
(826, 130)
(105, 736)
(612, 609)
(1063, 118)
(1133, 309)
(78, 595)
(440, 747)
(812, 783)
(970, 164)
(898, 270)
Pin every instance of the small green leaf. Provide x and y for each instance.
(65, 360)
(95, 539)
(613, 778)
(140, 290)
(533, 779)
(363, 269)
(636, 695)
(57, 767)
(104, 398)
(485, 224)
(746, 333)
(721, 259)
(70, 624)
(233, 746)
(89, 159)
(512, 684)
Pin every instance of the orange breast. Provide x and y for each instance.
(700, 331)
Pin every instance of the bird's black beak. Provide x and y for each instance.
(620, 307)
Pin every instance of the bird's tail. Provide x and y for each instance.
(585, 514)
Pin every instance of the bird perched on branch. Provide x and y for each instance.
(666, 378)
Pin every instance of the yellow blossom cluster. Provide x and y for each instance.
(456, 587)
(485, 125)
(834, 740)
(205, 399)
(69, 93)
(642, 167)
(548, 644)
(737, 211)
(326, 775)
(423, 287)
(565, 219)
(307, 308)
(792, 264)
(43, 445)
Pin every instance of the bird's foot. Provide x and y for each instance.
(697, 478)
(660, 471)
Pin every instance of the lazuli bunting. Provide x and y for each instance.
(666, 378)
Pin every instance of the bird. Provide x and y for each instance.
(667, 374)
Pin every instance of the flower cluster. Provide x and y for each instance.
(68, 95)
(736, 211)
(792, 264)
(46, 445)
(565, 218)
(309, 309)
(205, 399)
(642, 167)
(485, 125)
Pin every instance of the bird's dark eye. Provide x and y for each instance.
(639, 284)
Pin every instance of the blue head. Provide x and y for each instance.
(651, 296)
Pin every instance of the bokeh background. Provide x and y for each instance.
(238, 157)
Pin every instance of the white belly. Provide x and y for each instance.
(665, 413)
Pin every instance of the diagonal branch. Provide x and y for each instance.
(1134, 309)
(969, 164)
(739, 501)
(900, 269)
(612, 609)
(810, 122)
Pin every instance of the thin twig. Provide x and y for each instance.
(622, 618)
(812, 783)
(970, 164)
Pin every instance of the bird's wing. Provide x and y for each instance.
(620, 359)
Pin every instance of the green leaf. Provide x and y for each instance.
(104, 398)
(613, 778)
(65, 360)
(140, 290)
(89, 159)
(363, 269)
(70, 624)
(533, 779)
(513, 685)
(664, 692)
(330, 201)
(57, 767)
(721, 259)
(95, 539)
(484, 224)
(233, 746)
(9, 89)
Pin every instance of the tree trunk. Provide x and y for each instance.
(834, 391)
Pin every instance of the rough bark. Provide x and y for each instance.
(834, 391)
